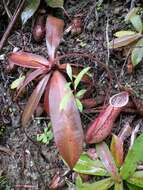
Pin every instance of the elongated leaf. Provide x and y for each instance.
(69, 71)
(30, 9)
(117, 150)
(27, 60)
(104, 184)
(75, 71)
(80, 93)
(107, 160)
(66, 123)
(123, 33)
(133, 157)
(79, 105)
(123, 41)
(133, 187)
(65, 100)
(80, 76)
(55, 3)
(137, 53)
(136, 179)
(86, 165)
(46, 98)
(137, 23)
(33, 75)
(34, 100)
(54, 33)
(16, 83)
(118, 186)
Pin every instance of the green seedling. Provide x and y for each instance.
(134, 39)
(74, 82)
(112, 165)
(46, 136)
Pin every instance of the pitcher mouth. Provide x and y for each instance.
(119, 100)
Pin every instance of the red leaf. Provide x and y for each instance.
(66, 123)
(117, 150)
(107, 160)
(34, 100)
(54, 33)
(102, 125)
(27, 60)
(29, 78)
(46, 99)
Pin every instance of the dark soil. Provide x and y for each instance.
(24, 161)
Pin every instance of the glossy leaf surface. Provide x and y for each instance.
(133, 157)
(27, 60)
(66, 123)
(123, 41)
(104, 184)
(136, 179)
(86, 165)
(117, 150)
(107, 160)
(54, 33)
(137, 53)
(34, 100)
(30, 9)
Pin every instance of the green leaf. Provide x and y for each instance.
(69, 71)
(16, 83)
(30, 9)
(79, 76)
(131, 13)
(118, 186)
(67, 85)
(137, 53)
(79, 105)
(133, 157)
(86, 165)
(137, 23)
(55, 3)
(78, 181)
(99, 185)
(136, 179)
(64, 101)
(107, 160)
(133, 187)
(80, 93)
(123, 33)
